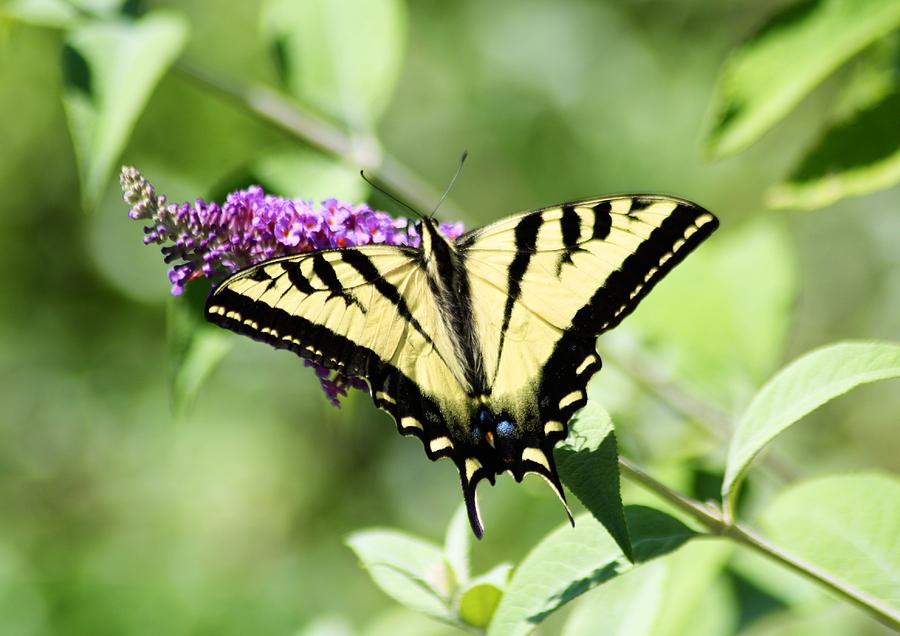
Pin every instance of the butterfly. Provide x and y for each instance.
(482, 346)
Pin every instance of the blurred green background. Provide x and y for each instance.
(122, 512)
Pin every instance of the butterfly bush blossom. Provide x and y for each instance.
(208, 240)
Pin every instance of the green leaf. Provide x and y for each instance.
(341, 56)
(110, 69)
(307, 174)
(798, 389)
(479, 600)
(411, 571)
(693, 603)
(588, 464)
(857, 156)
(571, 561)
(847, 525)
(679, 595)
(766, 77)
(457, 544)
(720, 337)
(626, 606)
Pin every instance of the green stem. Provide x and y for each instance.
(712, 519)
(365, 151)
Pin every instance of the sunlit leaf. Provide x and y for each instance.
(341, 56)
(767, 76)
(857, 156)
(588, 464)
(411, 571)
(626, 606)
(693, 604)
(307, 174)
(571, 561)
(847, 525)
(799, 388)
(110, 70)
(479, 600)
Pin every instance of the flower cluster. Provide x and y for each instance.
(211, 240)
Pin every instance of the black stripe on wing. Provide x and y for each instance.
(413, 411)
(526, 233)
(665, 247)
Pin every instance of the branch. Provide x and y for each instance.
(361, 151)
(712, 519)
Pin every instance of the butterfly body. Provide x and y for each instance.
(482, 346)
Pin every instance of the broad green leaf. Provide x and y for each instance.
(857, 156)
(766, 77)
(721, 337)
(847, 525)
(411, 571)
(680, 594)
(571, 561)
(798, 389)
(693, 604)
(110, 69)
(457, 544)
(626, 606)
(479, 600)
(341, 56)
(307, 174)
(588, 464)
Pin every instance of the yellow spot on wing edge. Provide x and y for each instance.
(440, 443)
(381, 395)
(411, 422)
(535, 455)
(472, 465)
(584, 365)
(553, 426)
(571, 398)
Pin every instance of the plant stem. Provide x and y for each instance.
(712, 518)
(359, 150)
(363, 150)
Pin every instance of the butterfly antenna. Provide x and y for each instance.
(459, 168)
(389, 195)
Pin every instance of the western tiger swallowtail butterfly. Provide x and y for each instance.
(482, 347)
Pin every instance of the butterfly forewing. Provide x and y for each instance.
(366, 311)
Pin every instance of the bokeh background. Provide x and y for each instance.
(221, 507)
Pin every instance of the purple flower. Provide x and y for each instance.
(212, 241)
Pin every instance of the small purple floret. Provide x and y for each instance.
(212, 241)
